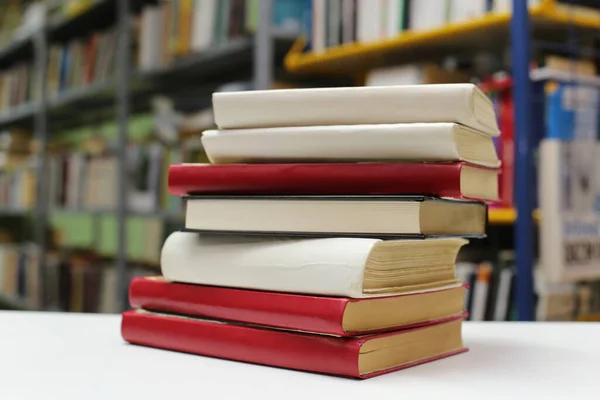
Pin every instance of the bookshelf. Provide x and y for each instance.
(118, 97)
(547, 18)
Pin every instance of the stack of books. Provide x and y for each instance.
(324, 236)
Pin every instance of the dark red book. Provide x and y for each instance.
(318, 314)
(360, 357)
(458, 180)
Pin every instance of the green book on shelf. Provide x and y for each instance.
(251, 15)
(222, 25)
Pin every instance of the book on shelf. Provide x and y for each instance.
(569, 189)
(415, 142)
(338, 316)
(458, 103)
(453, 180)
(481, 290)
(348, 267)
(360, 357)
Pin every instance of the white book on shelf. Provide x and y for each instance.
(462, 103)
(465, 10)
(395, 17)
(503, 294)
(349, 19)
(428, 14)
(319, 26)
(568, 194)
(334, 22)
(203, 24)
(325, 266)
(369, 20)
(351, 143)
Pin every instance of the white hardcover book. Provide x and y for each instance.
(203, 24)
(348, 21)
(334, 22)
(351, 143)
(369, 24)
(428, 14)
(319, 26)
(394, 18)
(570, 233)
(465, 10)
(328, 266)
(462, 103)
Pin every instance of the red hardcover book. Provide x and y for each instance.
(435, 179)
(360, 357)
(327, 315)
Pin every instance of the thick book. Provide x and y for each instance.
(336, 316)
(452, 180)
(378, 216)
(432, 142)
(360, 357)
(461, 103)
(346, 267)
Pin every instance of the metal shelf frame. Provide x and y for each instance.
(256, 54)
(522, 97)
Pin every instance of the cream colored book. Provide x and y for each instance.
(352, 143)
(379, 216)
(351, 267)
(461, 103)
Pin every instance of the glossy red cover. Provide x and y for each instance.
(278, 348)
(307, 313)
(435, 179)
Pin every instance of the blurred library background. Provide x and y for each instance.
(99, 97)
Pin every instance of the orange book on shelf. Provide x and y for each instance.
(185, 26)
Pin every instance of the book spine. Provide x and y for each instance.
(317, 179)
(317, 353)
(306, 313)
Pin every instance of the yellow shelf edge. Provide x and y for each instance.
(298, 61)
(504, 216)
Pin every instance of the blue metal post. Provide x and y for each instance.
(520, 42)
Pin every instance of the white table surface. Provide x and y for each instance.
(77, 356)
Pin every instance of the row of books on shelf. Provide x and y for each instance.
(177, 28)
(79, 282)
(17, 86)
(80, 181)
(81, 61)
(339, 22)
(491, 293)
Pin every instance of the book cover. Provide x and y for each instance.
(278, 348)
